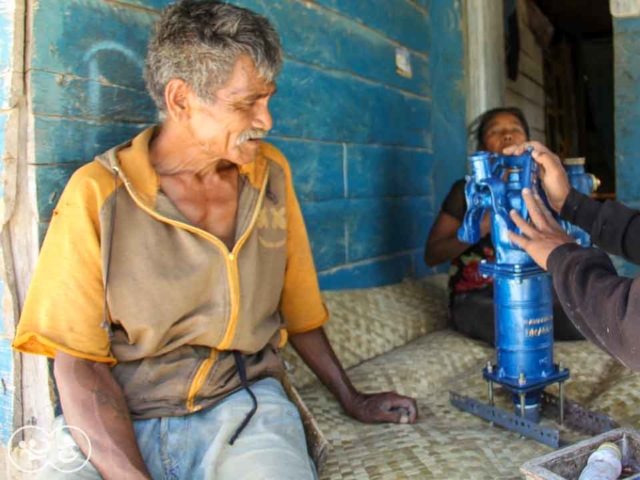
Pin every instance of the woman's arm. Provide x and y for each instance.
(443, 244)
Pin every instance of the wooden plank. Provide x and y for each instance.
(318, 168)
(66, 40)
(62, 140)
(486, 68)
(627, 87)
(147, 4)
(384, 226)
(538, 135)
(449, 103)
(54, 94)
(533, 70)
(528, 89)
(533, 113)
(528, 46)
(50, 182)
(626, 50)
(325, 223)
(318, 36)
(372, 273)
(116, 51)
(398, 20)
(625, 8)
(426, 4)
(388, 172)
(335, 107)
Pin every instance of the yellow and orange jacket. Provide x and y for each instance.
(178, 301)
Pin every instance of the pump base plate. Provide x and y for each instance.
(576, 417)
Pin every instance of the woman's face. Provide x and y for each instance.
(502, 131)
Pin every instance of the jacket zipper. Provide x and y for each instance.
(234, 281)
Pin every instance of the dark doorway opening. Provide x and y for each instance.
(579, 89)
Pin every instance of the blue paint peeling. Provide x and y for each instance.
(317, 168)
(328, 106)
(368, 274)
(399, 20)
(340, 42)
(376, 171)
(7, 366)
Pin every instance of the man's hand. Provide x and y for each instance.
(552, 174)
(388, 407)
(314, 348)
(544, 236)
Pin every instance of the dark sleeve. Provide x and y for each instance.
(602, 305)
(455, 204)
(612, 226)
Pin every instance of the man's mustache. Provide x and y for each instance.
(251, 134)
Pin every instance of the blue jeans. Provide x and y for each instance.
(196, 446)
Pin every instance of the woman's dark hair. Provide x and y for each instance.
(478, 127)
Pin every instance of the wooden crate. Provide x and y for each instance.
(567, 463)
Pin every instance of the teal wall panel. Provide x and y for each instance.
(62, 140)
(379, 171)
(448, 108)
(59, 95)
(340, 43)
(91, 39)
(325, 223)
(399, 20)
(329, 106)
(626, 48)
(371, 151)
(317, 168)
(51, 180)
(379, 227)
(367, 274)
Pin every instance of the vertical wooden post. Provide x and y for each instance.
(485, 66)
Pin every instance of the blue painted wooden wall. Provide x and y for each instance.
(372, 152)
(626, 50)
(7, 373)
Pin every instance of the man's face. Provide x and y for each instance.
(230, 126)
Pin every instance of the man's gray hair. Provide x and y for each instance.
(199, 42)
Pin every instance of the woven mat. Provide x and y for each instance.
(447, 443)
(369, 322)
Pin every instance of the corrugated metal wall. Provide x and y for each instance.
(361, 138)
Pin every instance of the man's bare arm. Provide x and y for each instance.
(93, 401)
(314, 348)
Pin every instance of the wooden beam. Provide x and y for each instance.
(624, 8)
(485, 56)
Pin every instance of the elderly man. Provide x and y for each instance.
(176, 266)
(601, 304)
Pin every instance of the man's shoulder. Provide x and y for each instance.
(272, 153)
(91, 180)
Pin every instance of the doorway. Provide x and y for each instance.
(579, 88)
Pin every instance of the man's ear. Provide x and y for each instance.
(177, 98)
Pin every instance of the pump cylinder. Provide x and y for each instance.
(524, 327)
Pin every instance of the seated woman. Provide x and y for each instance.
(471, 295)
